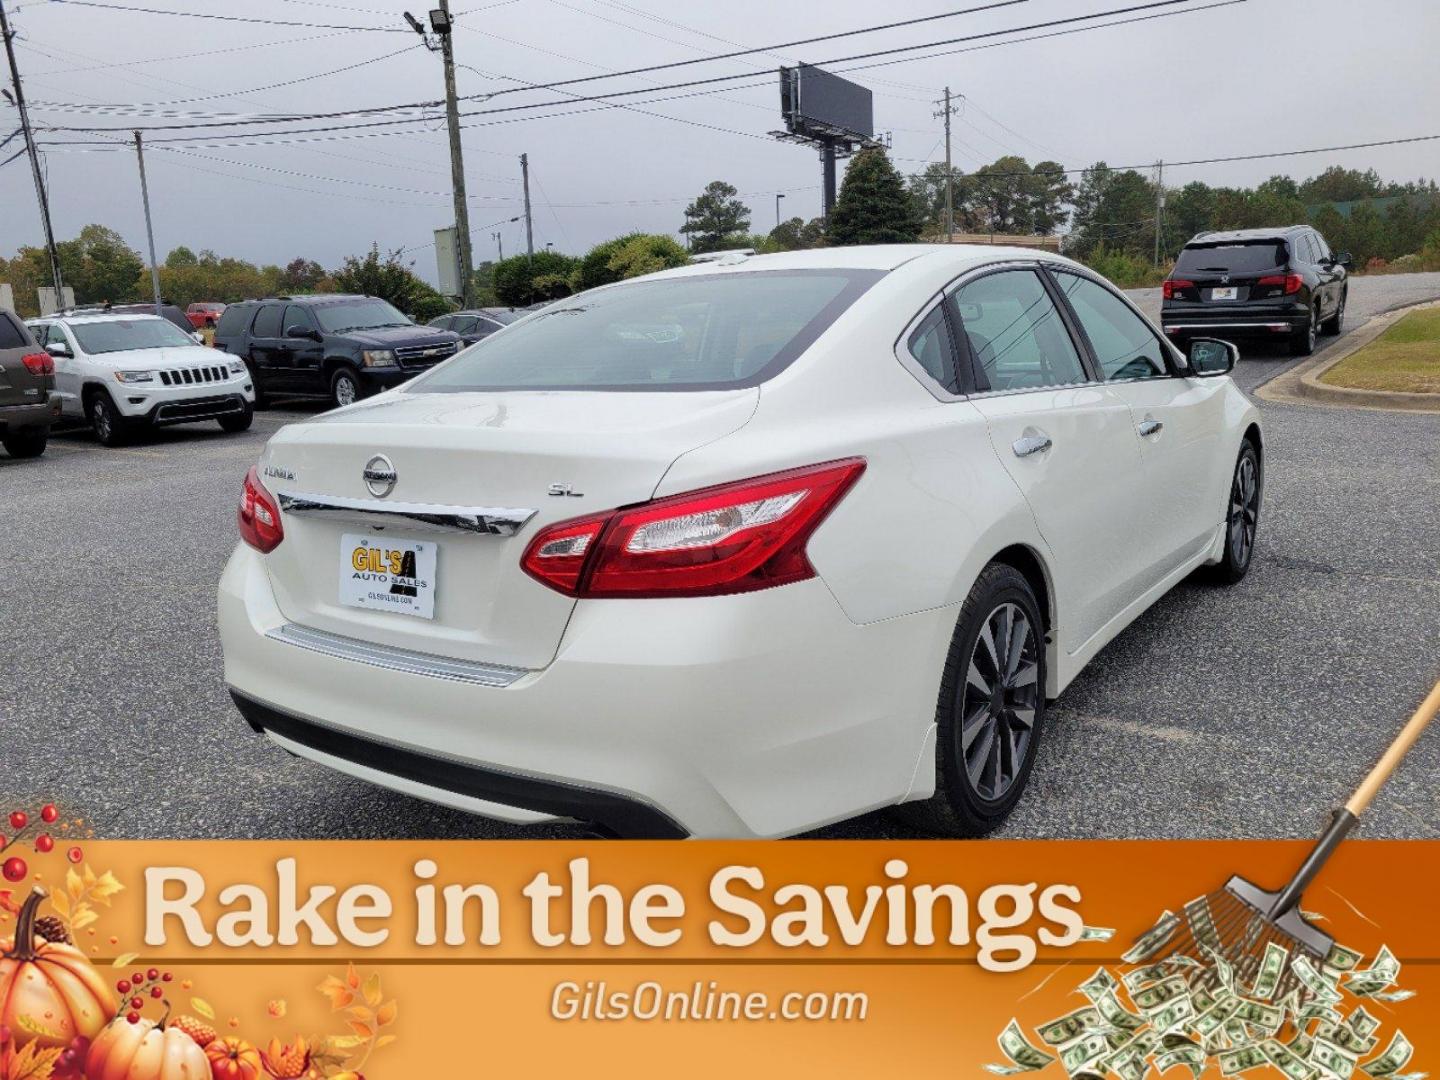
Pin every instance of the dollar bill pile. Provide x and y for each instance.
(1198, 1012)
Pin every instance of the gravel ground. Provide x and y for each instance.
(1246, 712)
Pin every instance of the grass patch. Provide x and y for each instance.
(1406, 358)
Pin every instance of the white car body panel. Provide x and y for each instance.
(759, 714)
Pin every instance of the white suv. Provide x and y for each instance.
(126, 373)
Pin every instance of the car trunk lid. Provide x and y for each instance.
(540, 457)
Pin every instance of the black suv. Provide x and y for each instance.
(341, 347)
(1263, 283)
(28, 401)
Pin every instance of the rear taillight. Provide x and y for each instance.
(259, 517)
(1174, 285)
(728, 539)
(1290, 283)
(39, 363)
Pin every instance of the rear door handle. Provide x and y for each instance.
(1150, 427)
(1031, 444)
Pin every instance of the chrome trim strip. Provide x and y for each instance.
(392, 659)
(1227, 326)
(486, 520)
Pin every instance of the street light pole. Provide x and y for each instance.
(149, 227)
(40, 195)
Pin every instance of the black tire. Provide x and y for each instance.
(1302, 342)
(238, 422)
(963, 805)
(1334, 325)
(111, 429)
(1242, 516)
(340, 396)
(26, 442)
(262, 399)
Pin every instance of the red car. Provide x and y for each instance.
(203, 315)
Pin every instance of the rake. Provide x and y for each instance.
(1238, 922)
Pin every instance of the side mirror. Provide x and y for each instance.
(1344, 259)
(1211, 356)
(303, 333)
(59, 348)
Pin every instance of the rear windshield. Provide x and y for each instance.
(120, 334)
(233, 321)
(711, 332)
(1247, 258)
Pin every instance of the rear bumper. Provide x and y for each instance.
(1268, 321)
(762, 714)
(39, 414)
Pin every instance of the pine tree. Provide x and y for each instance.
(873, 207)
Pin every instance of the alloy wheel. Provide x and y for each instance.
(104, 424)
(1244, 510)
(345, 390)
(1312, 331)
(998, 701)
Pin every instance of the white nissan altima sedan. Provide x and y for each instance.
(742, 548)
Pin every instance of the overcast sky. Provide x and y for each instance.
(1252, 77)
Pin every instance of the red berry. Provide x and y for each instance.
(133, 1017)
(75, 854)
(44, 843)
(166, 977)
(123, 986)
(15, 869)
(19, 819)
(137, 1003)
(4, 841)
(49, 814)
(138, 978)
(152, 974)
(157, 993)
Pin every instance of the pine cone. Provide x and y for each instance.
(52, 929)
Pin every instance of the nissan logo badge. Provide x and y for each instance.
(380, 476)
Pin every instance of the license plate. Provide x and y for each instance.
(388, 574)
(1227, 293)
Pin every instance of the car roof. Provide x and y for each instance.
(305, 298)
(883, 257)
(101, 317)
(1227, 235)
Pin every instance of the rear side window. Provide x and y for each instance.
(267, 323)
(11, 334)
(233, 321)
(704, 332)
(1251, 257)
(1015, 334)
(933, 350)
(295, 315)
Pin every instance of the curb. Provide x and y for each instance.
(1302, 385)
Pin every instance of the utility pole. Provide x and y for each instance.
(442, 25)
(1159, 205)
(529, 221)
(499, 246)
(948, 111)
(149, 228)
(40, 195)
(778, 196)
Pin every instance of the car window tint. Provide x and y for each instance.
(295, 315)
(1321, 247)
(933, 349)
(1015, 333)
(464, 324)
(442, 323)
(233, 320)
(10, 335)
(1248, 257)
(1124, 346)
(267, 323)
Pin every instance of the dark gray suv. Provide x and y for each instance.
(28, 401)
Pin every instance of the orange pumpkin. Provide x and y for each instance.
(233, 1059)
(145, 1051)
(51, 985)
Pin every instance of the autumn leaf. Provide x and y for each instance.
(59, 901)
(339, 994)
(372, 990)
(124, 959)
(106, 887)
(352, 977)
(365, 1031)
(340, 1043)
(384, 1040)
(73, 884)
(83, 917)
(386, 1014)
(35, 1027)
(88, 876)
(361, 1013)
(203, 1007)
(33, 1063)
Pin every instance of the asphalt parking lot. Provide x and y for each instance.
(1246, 712)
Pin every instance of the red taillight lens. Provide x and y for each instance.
(39, 363)
(728, 539)
(1174, 285)
(1291, 283)
(259, 517)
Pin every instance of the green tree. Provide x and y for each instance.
(647, 254)
(873, 206)
(1049, 191)
(1189, 211)
(1338, 184)
(594, 269)
(717, 219)
(180, 257)
(302, 276)
(516, 279)
(392, 280)
(1001, 196)
(927, 192)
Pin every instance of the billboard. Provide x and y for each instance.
(818, 104)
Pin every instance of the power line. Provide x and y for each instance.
(227, 18)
